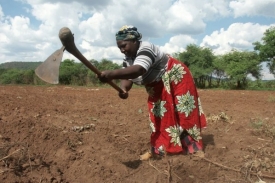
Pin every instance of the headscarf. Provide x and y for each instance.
(127, 32)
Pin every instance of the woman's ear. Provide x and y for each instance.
(136, 42)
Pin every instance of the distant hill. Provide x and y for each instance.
(20, 65)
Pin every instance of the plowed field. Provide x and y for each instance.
(61, 134)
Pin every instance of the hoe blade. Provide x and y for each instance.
(48, 71)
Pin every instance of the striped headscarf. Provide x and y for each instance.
(127, 32)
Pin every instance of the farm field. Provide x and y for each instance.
(63, 134)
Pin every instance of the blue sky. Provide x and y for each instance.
(29, 28)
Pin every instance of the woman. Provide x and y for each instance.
(175, 113)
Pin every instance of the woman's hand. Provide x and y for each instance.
(105, 76)
(123, 95)
(125, 85)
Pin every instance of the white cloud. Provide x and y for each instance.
(253, 7)
(177, 44)
(184, 18)
(96, 30)
(60, 15)
(238, 36)
(33, 35)
(1, 13)
(267, 76)
(17, 37)
(90, 4)
(265, 72)
(100, 52)
(215, 9)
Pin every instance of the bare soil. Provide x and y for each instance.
(61, 134)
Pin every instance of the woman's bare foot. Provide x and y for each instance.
(146, 156)
(199, 154)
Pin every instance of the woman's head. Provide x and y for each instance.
(127, 32)
(128, 40)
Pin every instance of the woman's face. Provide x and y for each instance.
(128, 48)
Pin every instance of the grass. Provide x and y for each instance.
(263, 127)
(271, 98)
(257, 123)
(222, 116)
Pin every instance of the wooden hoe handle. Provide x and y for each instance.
(67, 39)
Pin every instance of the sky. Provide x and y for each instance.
(29, 28)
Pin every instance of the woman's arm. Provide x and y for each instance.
(125, 85)
(130, 72)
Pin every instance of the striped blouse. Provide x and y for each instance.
(151, 58)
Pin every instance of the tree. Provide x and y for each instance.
(200, 62)
(28, 76)
(69, 71)
(219, 69)
(11, 76)
(2, 70)
(106, 64)
(266, 49)
(239, 64)
(91, 76)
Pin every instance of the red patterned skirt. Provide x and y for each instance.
(175, 112)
